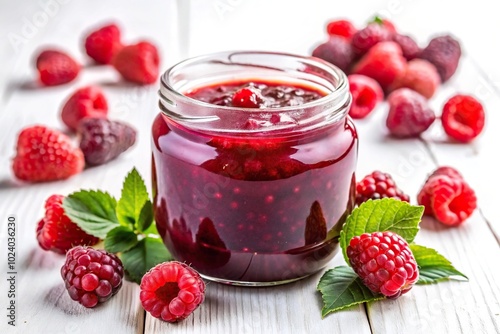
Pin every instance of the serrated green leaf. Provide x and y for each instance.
(145, 255)
(145, 217)
(120, 239)
(134, 195)
(387, 214)
(93, 211)
(433, 267)
(340, 288)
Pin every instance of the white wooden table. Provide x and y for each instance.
(43, 305)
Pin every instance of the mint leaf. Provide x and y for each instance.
(145, 217)
(387, 214)
(120, 239)
(145, 255)
(134, 195)
(433, 267)
(340, 288)
(93, 211)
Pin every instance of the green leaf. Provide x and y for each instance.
(340, 288)
(387, 214)
(145, 255)
(433, 267)
(134, 195)
(120, 239)
(145, 217)
(93, 211)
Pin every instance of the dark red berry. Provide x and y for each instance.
(384, 262)
(342, 28)
(444, 52)
(366, 38)
(56, 67)
(366, 94)
(248, 97)
(103, 44)
(378, 185)
(337, 51)
(408, 45)
(463, 118)
(91, 276)
(85, 102)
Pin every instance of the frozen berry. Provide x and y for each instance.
(409, 114)
(336, 51)
(384, 63)
(384, 262)
(171, 291)
(45, 154)
(103, 44)
(247, 98)
(443, 52)
(138, 63)
(408, 45)
(448, 197)
(366, 94)
(85, 102)
(56, 67)
(463, 118)
(378, 185)
(56, 232)
(366, 38)
(91, 276)
(342, 28)
(103, 140)
(420, 76)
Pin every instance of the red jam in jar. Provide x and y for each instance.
(253, 165)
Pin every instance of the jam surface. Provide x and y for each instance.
(253, 209)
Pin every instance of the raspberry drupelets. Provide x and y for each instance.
(104, 43)
(463, 118)
(56, 67)
(85, 102)
(343, 28)
(378, 185)
(138, 63)
(366, 94)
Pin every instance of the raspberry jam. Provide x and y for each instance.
(253, 178)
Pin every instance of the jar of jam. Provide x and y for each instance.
(253, 165)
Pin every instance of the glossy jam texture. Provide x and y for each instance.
(252, 208)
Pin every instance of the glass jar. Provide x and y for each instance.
(258, 205)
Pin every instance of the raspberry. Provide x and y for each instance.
(409, 114)
(45, 154)
(103, 44)
(378, 185)
(384, 262)
(384, 63)
(247, 98)
(171, 291)
(342, 28)
(85, 102)
(336, 51)
(443, 52)
(463, 118)
(56, 232)
(447, 196)
(91, 276)
(366, 94)
(56, 67)
(366, 38)
(138, 63)
(420, 76)
(408, 45)
(103, 140)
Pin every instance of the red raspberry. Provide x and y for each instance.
(138, 63)
(171, 291)
(447, 196)
(409, 114)
(85, 102)
(336, 51)
(103, 44)
(463, 118)
(103, 140)
(247, 98)
(45, 154)
(408, 45)
(366, 94)
(366, 38)
(420, 76)
(378, 185)
(56, 68)
(443, 52)
(384, 63)
(56, 232)
(343, 28)
(384, 262)
(91, 276)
